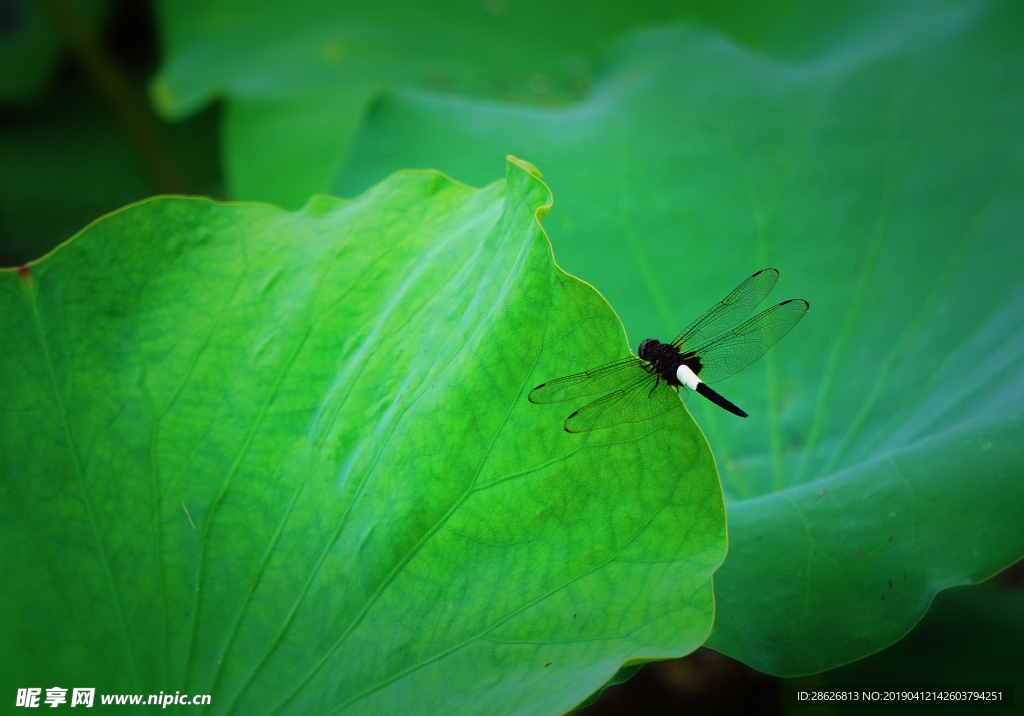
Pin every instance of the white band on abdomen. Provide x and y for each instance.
(687, 377)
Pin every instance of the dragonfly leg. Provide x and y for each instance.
(657, 382)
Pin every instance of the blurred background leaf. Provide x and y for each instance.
(296, 78)
(969, 640)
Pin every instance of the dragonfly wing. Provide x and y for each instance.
(734, 351)
(603, 379)
(731, 310)
(641, 400)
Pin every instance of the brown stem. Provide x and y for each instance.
(113, 84)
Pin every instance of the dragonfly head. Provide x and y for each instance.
(644, 350)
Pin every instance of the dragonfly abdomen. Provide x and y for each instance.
(703, 389)
(687, 377)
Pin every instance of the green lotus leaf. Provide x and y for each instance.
(288, 460)
(884, 177)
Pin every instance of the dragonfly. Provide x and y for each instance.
(710, 349)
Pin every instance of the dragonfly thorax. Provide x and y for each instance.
(665, 359)
(662, 359)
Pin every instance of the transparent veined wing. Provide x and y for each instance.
(602, 379)
(732, 352)
(729, 311)
(641, 400)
